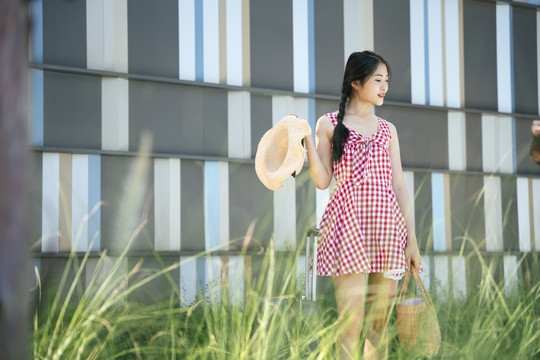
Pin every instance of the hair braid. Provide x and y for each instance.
(341, 133)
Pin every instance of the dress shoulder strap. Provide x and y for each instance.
(333, 117)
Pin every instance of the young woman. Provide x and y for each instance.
(367, 234)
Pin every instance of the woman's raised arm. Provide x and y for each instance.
(319, 153)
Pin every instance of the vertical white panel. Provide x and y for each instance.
(457, 141)
(511, 275)
(493, 213)
(321, 200)
(497, 143)
(186, 39)
(523, 207)
(211, 40)
(440, 272)
(300, 46)
(504, 58)
(353, 31)
(358, 34)
(506, 144)
(50, 205)
(114, 114)
(409, 181)
(285, 197)
(223, 178)
(536, 212)
(426, 274)
(301, 107)
(79, 202)
(452, 53)
(161, 204)
(94, 34)
(234, 42)
(459, 276)
(435, 53)
(490, 149)
(115, 36)
(236, 279)
(174, 205)
(418, 59)
(188, 279)
(94, 201)
(285, 215)
(239, 124)
(439, 218)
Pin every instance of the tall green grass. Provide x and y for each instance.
(271, 323)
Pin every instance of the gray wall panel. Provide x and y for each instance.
(261, 119)
(525, 61)
(72, 111)
(153, 37)
(419, 130)
(473, 129)
(329, 48)
(523, 146)
(423, 210)
(215, 122)
(510, 213)
(172, 113)
(325, 106)
(115, 217)
(159, 289)
(249, 201)
(392, 40)
(271, 44)
(64, 32)
(192, 205)
(480, 52)
(467, 211)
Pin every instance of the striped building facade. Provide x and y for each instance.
(207, 78)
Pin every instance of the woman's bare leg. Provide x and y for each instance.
(350, 291)
(381, 293)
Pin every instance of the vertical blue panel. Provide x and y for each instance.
(37, 107)
(312, 120)
(211, 205)
(199, 49)
(36, 11)
(94, 197)
(437, 197)
(201, 273)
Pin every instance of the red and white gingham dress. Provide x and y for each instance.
(362, 229)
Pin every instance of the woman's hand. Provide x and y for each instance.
(412, 255)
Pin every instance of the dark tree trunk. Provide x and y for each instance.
(14, 320)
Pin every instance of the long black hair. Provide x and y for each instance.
(360, 66)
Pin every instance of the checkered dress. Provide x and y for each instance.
(362, 228)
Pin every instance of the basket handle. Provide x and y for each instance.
(420, 283)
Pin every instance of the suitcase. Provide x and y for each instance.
(311, 265)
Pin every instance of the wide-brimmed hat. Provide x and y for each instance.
(280, 153)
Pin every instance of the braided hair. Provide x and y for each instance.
(360, 66)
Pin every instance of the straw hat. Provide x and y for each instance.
(280, 153)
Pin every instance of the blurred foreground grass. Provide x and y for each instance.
(271, 323)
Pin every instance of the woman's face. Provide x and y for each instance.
(374, 89)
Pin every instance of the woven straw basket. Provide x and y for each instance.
(417, 324)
